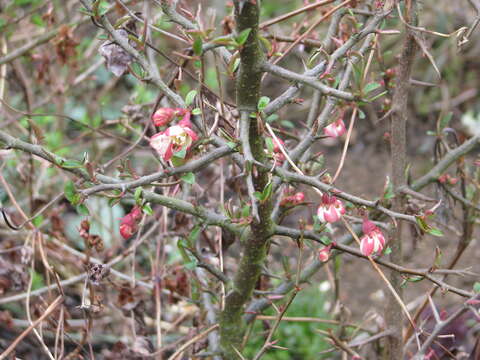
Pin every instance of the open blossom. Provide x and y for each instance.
(163, 116)
(335, 129)
(331, 209)
(174, 139)
(129, 223)
(373, 240)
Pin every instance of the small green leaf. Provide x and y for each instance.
(427, 228)
(272, 118)
(196, 111)
(435, 232)
(37, 20)
(258, 195)
(246, 211)
(266, 43)
(138, 195)
(181, 154)
(147, 209)
(189, 178)
(177, 161)
(82, 209)
(243, 36)
(269, 142)
(71, 193)
(476, 287)
(388, 192)
(86, 12)
(421, 223)
(263, 102)
(378, 96)
(445, 121)
(267, 191)
(235, 65)
(370, 87)
(71, 164)
(69, 189)
(182, 245)
(388, 250)
(197, 46)
(223, 40)
(287, 124)
(191, 265)
(113, 201)
(232, 145)
(193, 236)
(325, 240)
(190, 97)
(37, 221)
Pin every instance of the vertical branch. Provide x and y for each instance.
(255, 246)
(394, 316)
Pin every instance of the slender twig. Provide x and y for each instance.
(32, 326)
(294, 13)
(192, 341)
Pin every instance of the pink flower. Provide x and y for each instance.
(293, 200)
(163, 116)
(331, 209)
(277, 153)
(174, 139)
(129, 223)
(324, 253)
(299, 197)
(373, 240)
(335, 129)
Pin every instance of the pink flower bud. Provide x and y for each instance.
(127, 230)
(136, 213)
(335, 129)
(447, 179)
(293, 200)
(129, 223)
(373, 240)
(324, 253)
(276, 145)
(299, 197)
(163, 116)
(331, 209)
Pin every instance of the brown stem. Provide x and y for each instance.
(394, 315)
(255, 247)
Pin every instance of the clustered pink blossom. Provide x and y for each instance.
(331, 209)
(175, 138)
(163, 116)
(335, 129)
(447, 179)
(293, 200)
(129, 223)
(373, 240)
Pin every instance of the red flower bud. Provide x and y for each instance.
(129, 223)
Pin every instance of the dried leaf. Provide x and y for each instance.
(117, 58)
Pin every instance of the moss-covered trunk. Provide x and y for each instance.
(255, 246)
